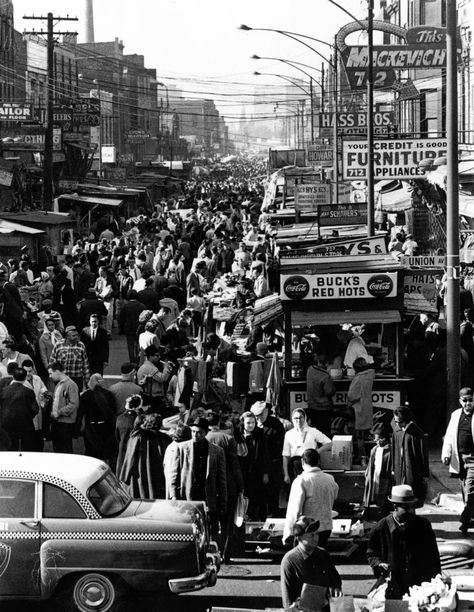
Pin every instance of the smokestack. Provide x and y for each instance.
(89, 21)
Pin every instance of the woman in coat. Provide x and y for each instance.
(359, 397)
(142, 470)
(254, 459)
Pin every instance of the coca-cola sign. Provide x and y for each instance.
(296, 287)
(380, 285)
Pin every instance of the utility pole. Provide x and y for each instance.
(370, 123)
(48, 138)
(452, 213)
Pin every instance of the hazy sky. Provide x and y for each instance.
(193, 42)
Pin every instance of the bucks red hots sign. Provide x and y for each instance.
(338, 286)
(423, 47)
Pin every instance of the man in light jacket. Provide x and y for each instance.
(458, 452)
(313, 494)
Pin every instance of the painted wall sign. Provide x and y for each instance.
(15, 112)
(393, 159)
(338, 286)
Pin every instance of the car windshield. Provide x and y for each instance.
(109, 496)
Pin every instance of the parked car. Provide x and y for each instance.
(67, 524)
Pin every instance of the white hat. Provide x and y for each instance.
(258, 408)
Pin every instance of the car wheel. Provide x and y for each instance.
(94, 593)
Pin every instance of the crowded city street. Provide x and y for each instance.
(237, 306)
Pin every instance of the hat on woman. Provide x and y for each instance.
(402, 494)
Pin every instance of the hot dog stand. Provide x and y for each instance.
(322, 298)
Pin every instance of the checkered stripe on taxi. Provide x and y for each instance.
(93, 535)
(54, 480)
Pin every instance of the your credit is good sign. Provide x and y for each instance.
(338, 286)
(393, 159)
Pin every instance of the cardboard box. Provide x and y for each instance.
(341, 452)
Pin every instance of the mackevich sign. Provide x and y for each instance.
(365, 246)
(423, 47)
(389, 400)
(393, 159)
(300, 287)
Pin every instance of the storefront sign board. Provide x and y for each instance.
(420, 291)
(309, 196)
(15, 112)
(393, 159)
(360, 246)
(320, 155)
(350, 124)
(389, 400)
(298, 287)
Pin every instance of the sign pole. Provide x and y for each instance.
(370, 123)
(452, 213)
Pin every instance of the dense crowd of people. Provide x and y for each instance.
(193, 418)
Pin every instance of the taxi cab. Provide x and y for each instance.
(68, 525)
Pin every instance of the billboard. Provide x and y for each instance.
(355, 124)
(393, 159)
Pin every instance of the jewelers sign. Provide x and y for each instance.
(338, 286)
(393, 159)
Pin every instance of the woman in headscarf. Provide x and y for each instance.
(45, 288)
(142, 469)
(97, 408)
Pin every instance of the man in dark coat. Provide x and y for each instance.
(409, 453)
(91, 305)
(274, 434)
(128, 323)
(403, 546)
(198, 473)
(18, 407)
(96, 341)
(149, 297)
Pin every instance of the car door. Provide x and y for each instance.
(19, 538)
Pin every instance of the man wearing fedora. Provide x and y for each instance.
(458, 452)
(402, 546)
(307, 564)
(198, 473)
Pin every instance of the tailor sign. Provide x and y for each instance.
(15, 112)
(393, 159)
(338, 286)
(390, 400)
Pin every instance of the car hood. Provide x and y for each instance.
(167, 511)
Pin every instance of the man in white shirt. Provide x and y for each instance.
(313, 494)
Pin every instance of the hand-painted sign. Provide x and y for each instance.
(309, 196)
(420, 291)
(380, 399)
(393, 159)
(360, 246)
(343, 214)
(338, 286)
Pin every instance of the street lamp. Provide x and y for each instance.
(296, 84)
(297, 65)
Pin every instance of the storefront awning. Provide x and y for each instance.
(92, 200)
(396, 200)
(8, 227)
(338, 318)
